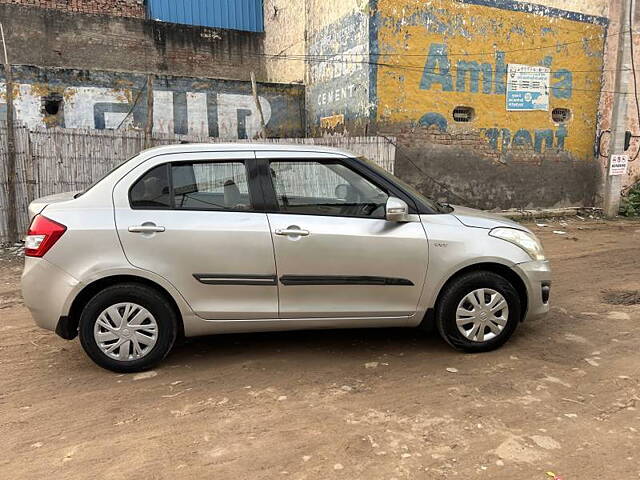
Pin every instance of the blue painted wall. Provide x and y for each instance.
(232, 14)
(339, 81)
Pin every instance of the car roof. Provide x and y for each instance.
(244, 146)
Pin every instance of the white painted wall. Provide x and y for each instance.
(80, 102)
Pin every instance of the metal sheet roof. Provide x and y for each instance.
(244, 15)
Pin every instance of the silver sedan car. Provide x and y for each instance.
(191, 240)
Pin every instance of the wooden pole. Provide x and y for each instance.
(254, 87)
(12, 200)
(148, 128)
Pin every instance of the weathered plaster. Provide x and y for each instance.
(182, 105)
(284, 40)
(607, 98)
(54, 38)
(525, 180)
(633, 124)
(588, 7)
(338, 82)
(446, 54)
(338, 70)
(321, 13)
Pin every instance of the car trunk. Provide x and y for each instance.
(39, 204)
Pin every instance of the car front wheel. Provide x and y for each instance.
(478, 311)
(127, 328)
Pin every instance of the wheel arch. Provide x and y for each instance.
(498, 268)
(68, 326)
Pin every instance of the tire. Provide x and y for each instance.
(491, 334)
(136, 346)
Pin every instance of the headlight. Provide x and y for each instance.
(526, 241)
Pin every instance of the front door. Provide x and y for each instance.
(192, 219)
(337, 256)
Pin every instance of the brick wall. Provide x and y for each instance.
(118, 8)
(463, 168)
(50, 38)
(413, 136)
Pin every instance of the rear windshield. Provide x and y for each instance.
(79, 194)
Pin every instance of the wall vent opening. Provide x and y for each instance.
(560, 115)
(463, 114)
(52, 104)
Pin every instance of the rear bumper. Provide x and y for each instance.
(47, 291)
(537, 279)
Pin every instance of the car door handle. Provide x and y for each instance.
(292, 232)
(146, 229)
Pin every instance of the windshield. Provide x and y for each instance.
(435, 206)
(109, 172)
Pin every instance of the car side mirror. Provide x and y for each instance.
(397, 210)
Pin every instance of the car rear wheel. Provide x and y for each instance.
(478, 312)
(127, 328)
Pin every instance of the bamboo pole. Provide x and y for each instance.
(12, 200)
(254, 88)
(148, 128)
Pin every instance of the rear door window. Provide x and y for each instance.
(193, 186)
(152, 189)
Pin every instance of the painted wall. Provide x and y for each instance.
(431, 57)
(182, 105)
(447, 54)
(589, 7)
(338, 70)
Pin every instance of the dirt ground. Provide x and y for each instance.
(562, 396)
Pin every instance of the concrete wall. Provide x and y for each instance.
(633, 118)
(119, 8)
(284, 40)
(52, 38)
(428, 64)
(182, 105)
(607, 98)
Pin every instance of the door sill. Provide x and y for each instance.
(283, 324)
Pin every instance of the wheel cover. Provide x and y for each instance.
(482, 315)
(125, 331)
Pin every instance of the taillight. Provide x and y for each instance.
(42, 235)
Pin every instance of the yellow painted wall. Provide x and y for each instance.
(408, 28)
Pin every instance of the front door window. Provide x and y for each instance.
(325, 188)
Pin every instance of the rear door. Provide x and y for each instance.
(337, 256)
(197, 220)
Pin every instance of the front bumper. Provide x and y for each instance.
(47, 291)
(537, 278)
